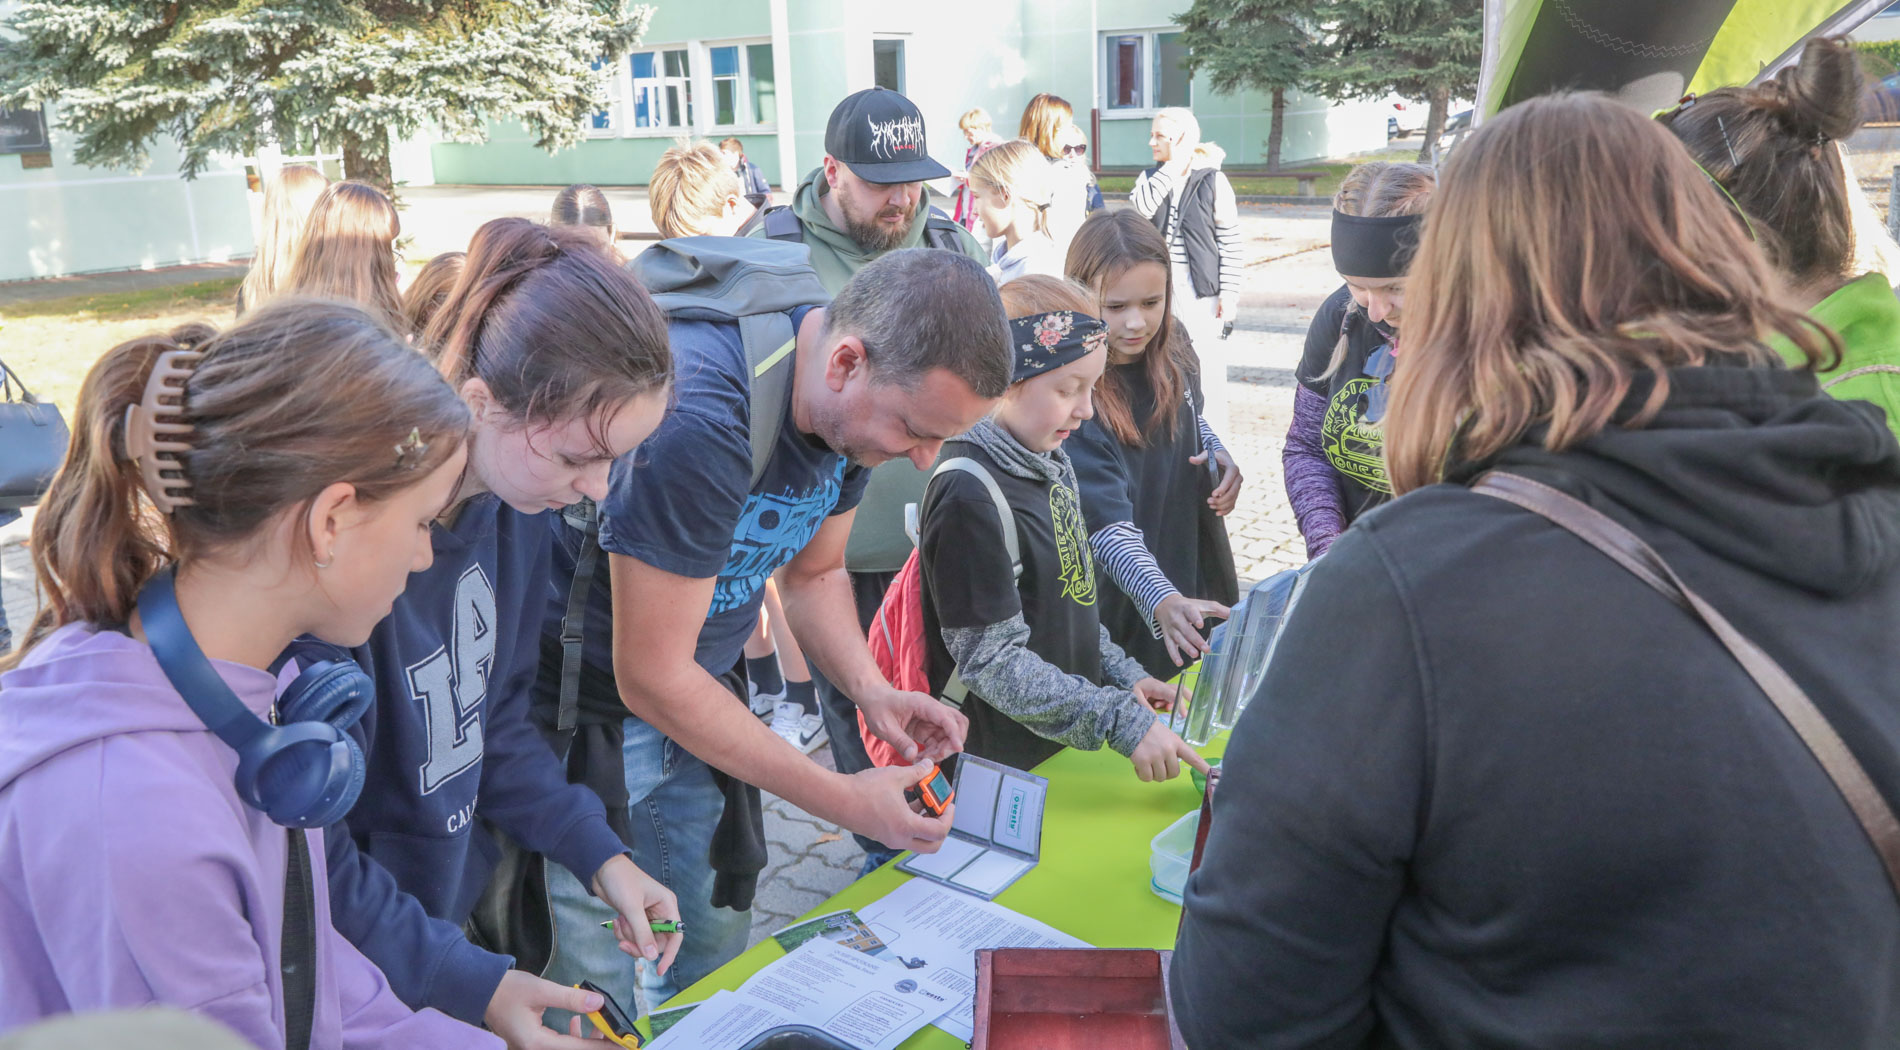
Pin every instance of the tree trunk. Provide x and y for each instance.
(1276, 129)
(364, 162)
(1434, 124)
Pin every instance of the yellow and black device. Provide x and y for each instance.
(934, 791)
(610, 1019)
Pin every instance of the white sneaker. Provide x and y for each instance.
(764, 704)
(803, 731)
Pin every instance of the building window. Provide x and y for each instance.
(887, 64)
(1144, 70)
(744, 93)
(662, 93)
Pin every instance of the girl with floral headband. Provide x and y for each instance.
(1029, 645)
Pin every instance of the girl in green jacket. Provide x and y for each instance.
(1773, 148)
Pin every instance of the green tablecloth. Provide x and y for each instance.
(1092, 882)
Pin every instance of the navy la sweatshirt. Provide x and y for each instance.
(449, 739)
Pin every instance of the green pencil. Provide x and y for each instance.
(668, 926)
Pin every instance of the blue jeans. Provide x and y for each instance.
(675, 807)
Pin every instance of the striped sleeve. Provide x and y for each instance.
(1227, 238)
(1122, 553)
(1152, 187)
(1209, 441)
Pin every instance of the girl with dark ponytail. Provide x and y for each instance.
(562, 360)
(1775, 149)
(272, 481)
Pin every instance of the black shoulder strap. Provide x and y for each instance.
(941, 231)
(585, 517)
(781, 224)
(298, 958)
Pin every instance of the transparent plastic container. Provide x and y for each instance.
(1169, 856)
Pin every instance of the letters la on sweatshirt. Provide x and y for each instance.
(131, 873)
(448, 739)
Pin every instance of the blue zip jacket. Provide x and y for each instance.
(449, 739)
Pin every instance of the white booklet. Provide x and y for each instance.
(997, 836)
(935, 932)
(864, 1001)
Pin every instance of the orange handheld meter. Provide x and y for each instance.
(610, 1019)
(934, 791)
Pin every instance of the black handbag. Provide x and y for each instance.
(33, 440)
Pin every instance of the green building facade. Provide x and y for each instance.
(768, 73)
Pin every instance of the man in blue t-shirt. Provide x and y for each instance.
(913, 351)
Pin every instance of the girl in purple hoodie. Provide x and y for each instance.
(291, 469)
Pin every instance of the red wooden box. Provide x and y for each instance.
(1073, 999)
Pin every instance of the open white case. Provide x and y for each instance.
(997, 836)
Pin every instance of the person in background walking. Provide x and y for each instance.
(1191, 202)
(288, 198)
(1042, 124)
(1010, 184)
(586, 207)
(981, 136)
(758, 192)
(348, 251)
(1334, 457)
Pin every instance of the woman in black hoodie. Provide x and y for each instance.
(1496, 791)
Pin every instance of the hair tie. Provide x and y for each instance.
(148, 436)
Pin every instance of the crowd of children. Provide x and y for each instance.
(410, 658)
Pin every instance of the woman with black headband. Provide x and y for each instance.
(1334, 454)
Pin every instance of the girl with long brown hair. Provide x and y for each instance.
(288, 197)
(348, 251)
(223, 494)
(1497, 789)
(1155, 480)
(563, 362)
(1334, 466)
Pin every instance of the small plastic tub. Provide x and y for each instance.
(1171, 852)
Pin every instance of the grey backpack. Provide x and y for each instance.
(755, 283)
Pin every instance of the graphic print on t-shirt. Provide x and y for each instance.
(772, 529)
(1072, 546)
(452, 682)
(1353, 446)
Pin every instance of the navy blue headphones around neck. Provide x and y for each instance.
(304, 773)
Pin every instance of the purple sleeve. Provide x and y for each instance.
(1310, 484)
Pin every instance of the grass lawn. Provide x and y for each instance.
(52, 344)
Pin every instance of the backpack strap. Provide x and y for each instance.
(982, 473)
(781, 224)
(940, 231)
(954, 691)
(585, 517)
(769, 341)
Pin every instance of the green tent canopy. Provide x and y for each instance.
(1647, 52)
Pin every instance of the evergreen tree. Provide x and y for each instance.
(1427, 49)
(228, 76)
(1263, 45)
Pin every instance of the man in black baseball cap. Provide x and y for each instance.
(866, 199)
